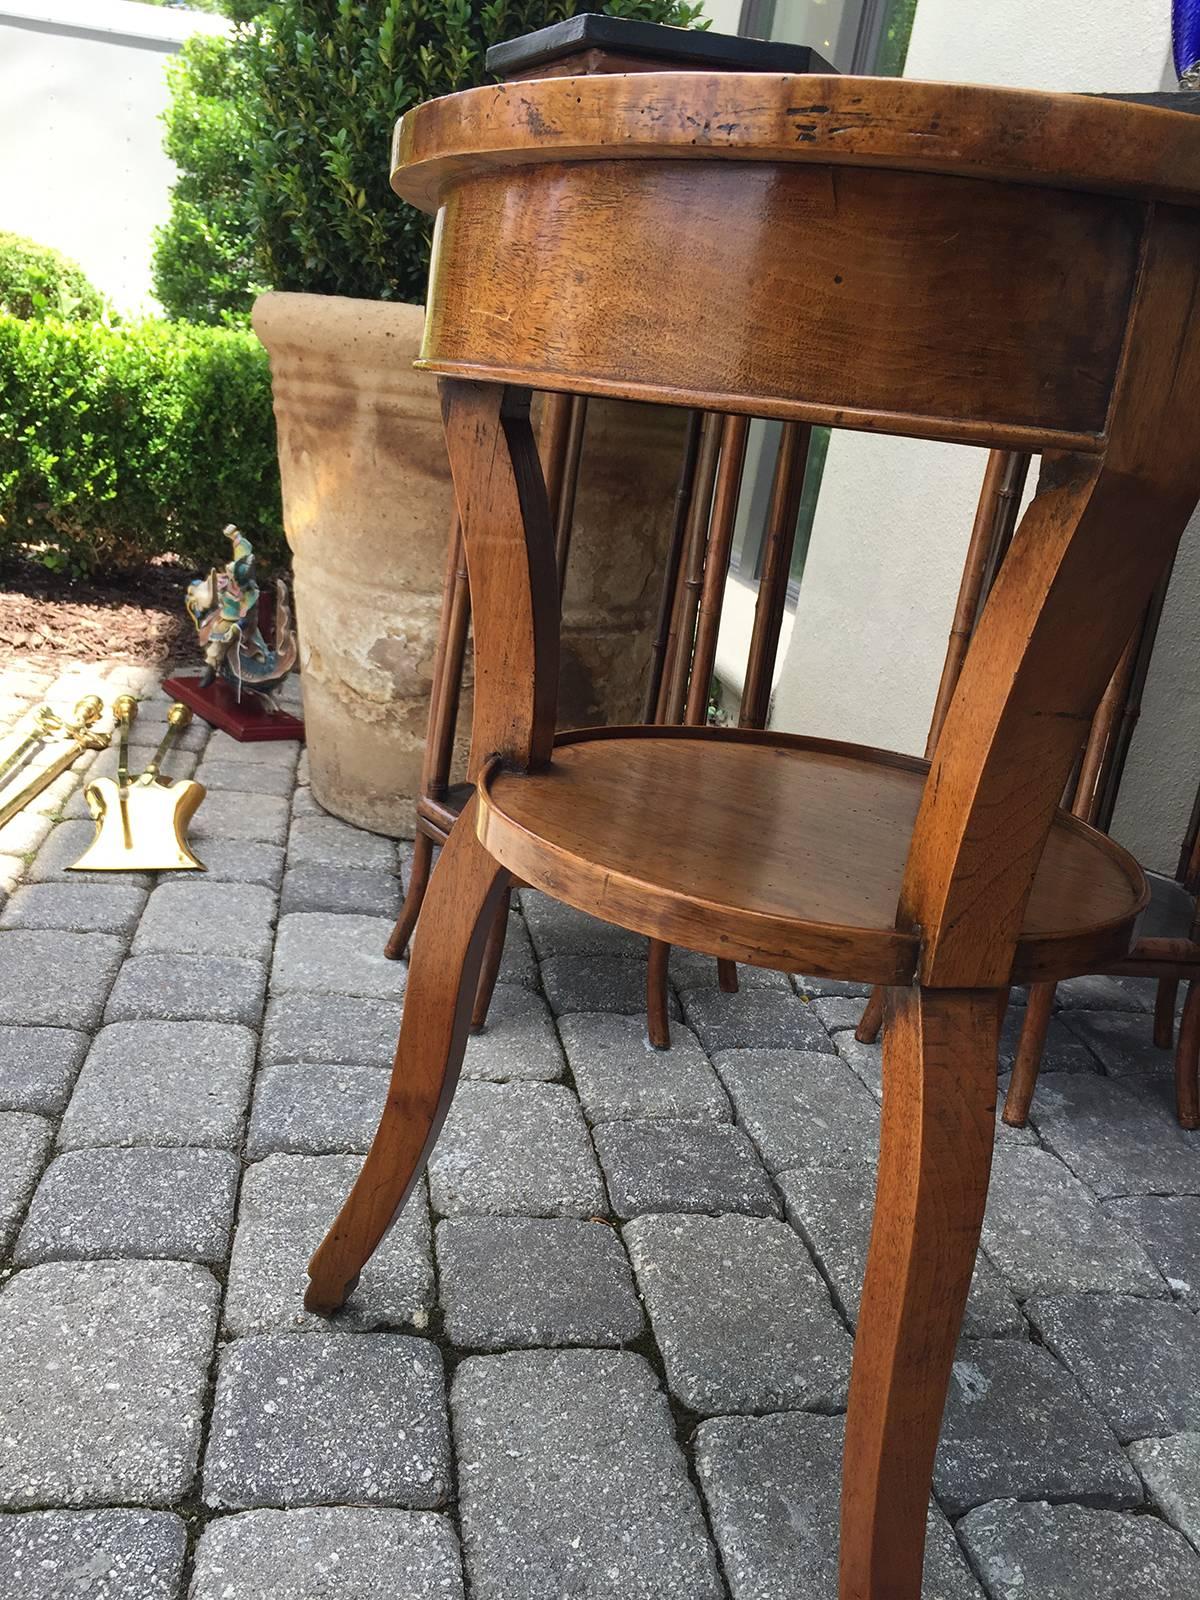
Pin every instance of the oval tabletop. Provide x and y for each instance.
(1013, 135)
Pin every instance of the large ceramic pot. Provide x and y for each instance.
(367, 504)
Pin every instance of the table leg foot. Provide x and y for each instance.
(418, 880)
(871, 1020)
(658, 1020)
(939, 1071)
(464, 895)
(1028, 1063)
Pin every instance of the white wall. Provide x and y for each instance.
(894, 516)
(81, 160)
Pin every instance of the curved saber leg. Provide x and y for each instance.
(460, 907)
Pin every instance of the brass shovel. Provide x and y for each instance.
(141, 826)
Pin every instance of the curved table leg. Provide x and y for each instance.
(464, 892)
(939, 1099)
(658, 1015)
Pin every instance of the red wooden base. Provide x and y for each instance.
(246, 720)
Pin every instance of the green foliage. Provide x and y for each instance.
(333, 76)
(119, 443)
(281, 139)
(36, 281)
(204, 267)
(893, 39)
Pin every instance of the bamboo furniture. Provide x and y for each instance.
(685, 643)
(995, 267)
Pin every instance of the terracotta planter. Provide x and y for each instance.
(367, 503)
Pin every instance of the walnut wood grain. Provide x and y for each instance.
(783, 851)
(939, 1108)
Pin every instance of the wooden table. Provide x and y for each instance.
(999, 268)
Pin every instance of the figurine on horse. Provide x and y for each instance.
(225, 609)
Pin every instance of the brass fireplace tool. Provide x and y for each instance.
(141, 824)
(81, 736)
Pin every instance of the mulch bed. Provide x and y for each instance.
(134, 615)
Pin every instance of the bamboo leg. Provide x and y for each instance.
(418, 882)
(786, 488)
(871, 1020)
(492, 956)
(658, 1021)
(939, 1070)
(1165, 997)
(1187, 1060)
(1029, 1055)
(464, 891)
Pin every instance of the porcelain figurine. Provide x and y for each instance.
(224, 608)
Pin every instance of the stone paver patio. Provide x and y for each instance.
(605, 1355)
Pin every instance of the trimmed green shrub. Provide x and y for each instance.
(121, 443)
(281, 138)
(204, 267)
(36, 281)
(333, 77)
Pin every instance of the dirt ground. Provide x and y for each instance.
(136, 615)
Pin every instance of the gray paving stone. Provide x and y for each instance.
(317, 952)
(518, 964)
(560, 930)
(315, 1110)
(571, 1482)
(683, 1166)
(773, 1486)
(226, 814)
(829, 986)
(104, 1369)
(326, 1418)
(162, 1083)
(336, 844)
(329, 1029)
(63, 846)
(1168, 1228)
(1066, 1552)
(1170, 1469)
(1099, 992)
(1017, 1426)
(509, 1283)
(287, 1205)
(518, 1040)
(1115, 1138)
(56, 980)
(187, 988)
(831, 1209)
(1138, 1361)
(1122, 1041)
(328, 1553)
(689, 969)
(598, 983)
(24, 1145)
(515, 1148)
(283, 754)
(619, 1075)
(740, 1314)
(754, 1019)
(219, 773)
(316, 886)
(192, 917)
(104, 1555)
(38, 1067)
(76, 907)
(838, 1012)
(306, 804)
(115, 1204)
(241, 861)
(1047, 1235)
(801, 1107)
